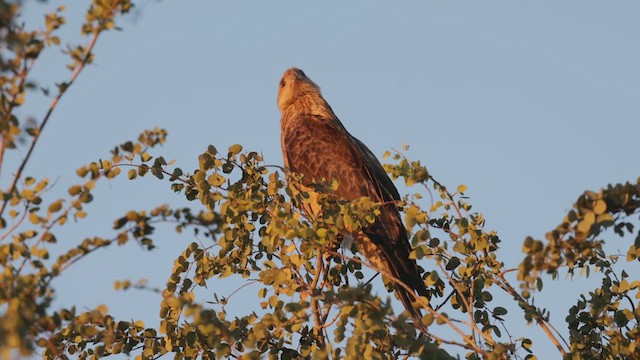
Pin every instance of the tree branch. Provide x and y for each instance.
(52, 107)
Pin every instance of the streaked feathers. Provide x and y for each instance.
(316, 144)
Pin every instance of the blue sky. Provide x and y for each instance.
(526, 103)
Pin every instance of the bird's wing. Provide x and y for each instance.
(377, 170)
(320, 148)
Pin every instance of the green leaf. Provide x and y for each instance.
(453, 263)
(621, 318)
(499, 311)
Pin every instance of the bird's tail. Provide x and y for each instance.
(394, 258)
(408, 299)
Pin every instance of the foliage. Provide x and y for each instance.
(314, 301)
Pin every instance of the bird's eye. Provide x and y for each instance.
(283, 83)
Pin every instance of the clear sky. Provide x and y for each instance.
(526, 103)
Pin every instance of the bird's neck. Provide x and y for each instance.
(309, 105)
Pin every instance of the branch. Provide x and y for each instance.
(315, 308)
(52, 107)
(16, 224)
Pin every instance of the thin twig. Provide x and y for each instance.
(504, 284)
(370, 280)
(445, 300)
(469, 308)
(17, 224)
(80, 256)
(315, 308)
(333, 320)
(470, 303)
(184, 180)
(236, 290)
(3, 146)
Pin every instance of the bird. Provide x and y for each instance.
(316, 145)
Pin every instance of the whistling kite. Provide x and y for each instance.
(316, 145)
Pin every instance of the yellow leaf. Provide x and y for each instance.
(139, 323)
(590, 218)
(105, 164)
(322, 233)
(436, 206)
(462, 188)
(215, 180)
(334, 185)
(600, 207)
(34, 218)
(174, 303)
(235, 148)
(188, 297)
(75, 189)
(56, 206)
(41, 185)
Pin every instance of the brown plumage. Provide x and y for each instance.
(316, 144)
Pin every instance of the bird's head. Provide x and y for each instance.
(293, 85)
